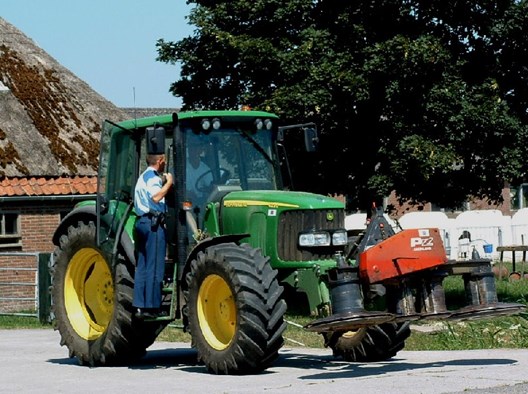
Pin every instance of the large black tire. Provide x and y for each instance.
(374, 343)
(92, 302)
(234, 309)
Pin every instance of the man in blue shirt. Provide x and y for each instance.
(149, 204)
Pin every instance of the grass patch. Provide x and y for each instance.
(18, 322)
(500, 332)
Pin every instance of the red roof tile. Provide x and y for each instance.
(26, 189)
(48, 186)
(47, 189)
(37, 190)
(80, 188)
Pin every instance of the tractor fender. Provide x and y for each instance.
(86, 214)
(202, 245)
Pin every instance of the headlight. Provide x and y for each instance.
(323, 238)
(314, 239)
(216, 123)
(206, 124)
(339, 238)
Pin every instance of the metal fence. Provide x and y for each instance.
(24, 285)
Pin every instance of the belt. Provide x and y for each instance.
(153, 214)
(156, 218)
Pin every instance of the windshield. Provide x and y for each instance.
(231, 157)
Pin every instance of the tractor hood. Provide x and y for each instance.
(274, 219)
(280, 199)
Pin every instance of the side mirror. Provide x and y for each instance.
(155, 140)
(311, 139)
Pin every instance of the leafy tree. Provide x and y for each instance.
(425, 97)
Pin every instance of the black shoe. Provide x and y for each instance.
(158, 313)
(149, 314)
(144, 314)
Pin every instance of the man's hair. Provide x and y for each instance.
(152, 159)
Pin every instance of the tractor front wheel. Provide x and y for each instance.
(369, 344)
(234, 309)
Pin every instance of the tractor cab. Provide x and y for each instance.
(209, 153)
(222, 155)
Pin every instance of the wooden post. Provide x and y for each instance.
(44, 283)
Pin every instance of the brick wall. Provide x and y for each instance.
(19, 279)
(19, 266)
(402, 209)
(37, 230)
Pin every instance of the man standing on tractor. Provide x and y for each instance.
(149, 204)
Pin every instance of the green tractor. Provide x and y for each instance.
(239, 250)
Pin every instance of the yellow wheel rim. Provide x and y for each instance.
(216, 312)
(351, 334)
(89, 293)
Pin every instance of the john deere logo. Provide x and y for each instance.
(329, 216)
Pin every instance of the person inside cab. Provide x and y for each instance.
(199, 175)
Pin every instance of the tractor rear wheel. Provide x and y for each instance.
(234, 309)
(92, 302)
(373, 343)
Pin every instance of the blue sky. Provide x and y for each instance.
(110, 44)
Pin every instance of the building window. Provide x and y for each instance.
(462, 208)
(10, 230)
(519, 196)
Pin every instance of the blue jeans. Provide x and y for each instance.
(150, 268)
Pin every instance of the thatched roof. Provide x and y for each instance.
(50, 120)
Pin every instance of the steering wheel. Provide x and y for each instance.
(202, 187)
